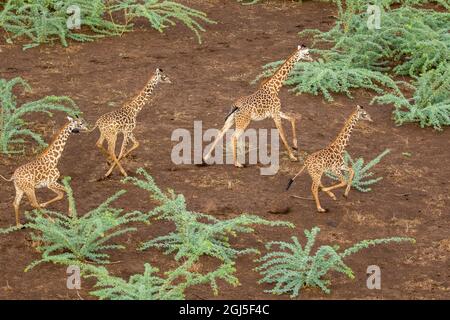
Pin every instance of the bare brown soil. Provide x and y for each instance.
(412, 199)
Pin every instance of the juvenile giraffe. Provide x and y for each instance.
(262, 104)
(331, 159)
(123, 120)
(43, 171)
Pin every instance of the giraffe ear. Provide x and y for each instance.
(69, 118)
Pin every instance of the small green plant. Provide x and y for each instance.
(360, 180)
(192, 237)
(296, 267)
(150, 286)
(70, 239)
(13, 128)
(44, 21)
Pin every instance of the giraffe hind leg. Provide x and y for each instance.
(16, 204)
(111, 151)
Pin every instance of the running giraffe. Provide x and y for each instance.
(123, 120)
(43, 171)
(331, 159)
(262, 104)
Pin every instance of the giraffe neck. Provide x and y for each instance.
(141, 99)
(55, 149)
(276, 81)
(343, 138)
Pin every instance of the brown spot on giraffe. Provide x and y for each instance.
(331, 159)
(43, 171)
(262, 104)
(123, 120)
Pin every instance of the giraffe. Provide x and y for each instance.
(43, 171)
(262, 104)
(331, 159)
(123, 120)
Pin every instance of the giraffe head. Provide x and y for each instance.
(76, 124)
(362, 114)
(161, 77)
(303, 53)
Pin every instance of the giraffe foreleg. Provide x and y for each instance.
(349, 182)
(134, 147)
(58, 189)
(291, 119)
(283, 138)
(341, 184)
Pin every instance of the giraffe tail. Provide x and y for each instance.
(233, 110)
(10, 179)
(292, 179)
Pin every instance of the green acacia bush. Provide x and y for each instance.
(296, 267)
(411, 42)
(430, 104)
(196, 234)
(44, 21)
(72, 239)
(150, 286)
(363, 178)
(13, 128)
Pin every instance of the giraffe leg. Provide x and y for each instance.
(337, 185)
(135, 146)
(283, 138)
(16, 204)
(58, 189)
(111, 150)
(100, 146)
(315, 192)
(225, 128)
(234, 141)
(328, 192)
(124, 154)
(32, 198)
(349, 183)
(294, 135)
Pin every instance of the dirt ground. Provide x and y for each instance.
(412, 200)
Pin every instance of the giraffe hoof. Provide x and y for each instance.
(295, 148)
(345, 196)
(322, 210)
(238, 165)
(203, 164)
(20, 226)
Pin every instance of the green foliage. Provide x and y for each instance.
(361, 171)
(44, 21)
(12, 125)
(70, 239)
(411, 42)
(430, 104)
(150, 286)
(331, 74)
(192, 237)
(294, 267)
(146, 286)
